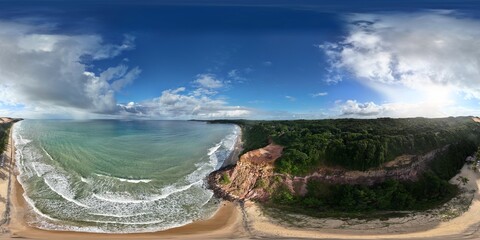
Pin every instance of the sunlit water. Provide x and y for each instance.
(119, 176)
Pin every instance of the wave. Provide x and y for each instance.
(118, 216)
(130, 223)
(63, 195)
(31, 203)
(212, 150)
(140, 208)
(95, 229)
(169, 190)
(85, 180)
(125, 179)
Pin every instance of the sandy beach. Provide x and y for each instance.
(231, 221)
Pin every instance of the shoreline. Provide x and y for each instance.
(231, 220)
(226, 222)
(232, 159)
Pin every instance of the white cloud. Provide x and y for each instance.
(290, 98)
(415, 57)
(319, 94)
(51, 71)
(353, 108)
(45, 75)
(235, 75)
(179, 104)
(208, 81)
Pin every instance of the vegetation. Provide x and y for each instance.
(360, 145)
(225, 179)
(4, 133)
(356, 144)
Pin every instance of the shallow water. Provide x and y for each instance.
(119, 176)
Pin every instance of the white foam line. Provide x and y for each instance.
(45, 151)
(126, 223)
(84, 180)
(180, 189)
(36, 210)
(125, 179)
(215, 148)
(117, 200)
(64, 196)
(118, 216)
(163, 196)
(36, 171)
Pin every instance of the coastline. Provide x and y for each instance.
(242, 222)
(226, 222)
(232, 159)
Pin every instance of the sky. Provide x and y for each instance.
(239, 59)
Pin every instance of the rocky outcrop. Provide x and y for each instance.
(251, 176)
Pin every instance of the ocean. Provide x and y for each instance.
(119, 176)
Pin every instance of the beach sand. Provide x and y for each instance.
(232, 221)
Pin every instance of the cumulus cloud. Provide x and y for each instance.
(352, 107)
(42, 70)
(427, 56)
(180, 104)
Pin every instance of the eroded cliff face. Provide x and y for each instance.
(253, 177)
(403, 168)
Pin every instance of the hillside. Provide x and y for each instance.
(350, 164)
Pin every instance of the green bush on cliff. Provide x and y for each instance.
(225, 179)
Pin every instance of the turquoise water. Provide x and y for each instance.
(119, 176)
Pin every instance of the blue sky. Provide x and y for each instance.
(239, 59)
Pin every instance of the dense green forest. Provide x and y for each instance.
(356, 144)
(359, 145)
(431, 189)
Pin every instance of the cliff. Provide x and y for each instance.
(254, 178)
(250, 178)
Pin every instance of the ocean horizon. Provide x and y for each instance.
(119, 176)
